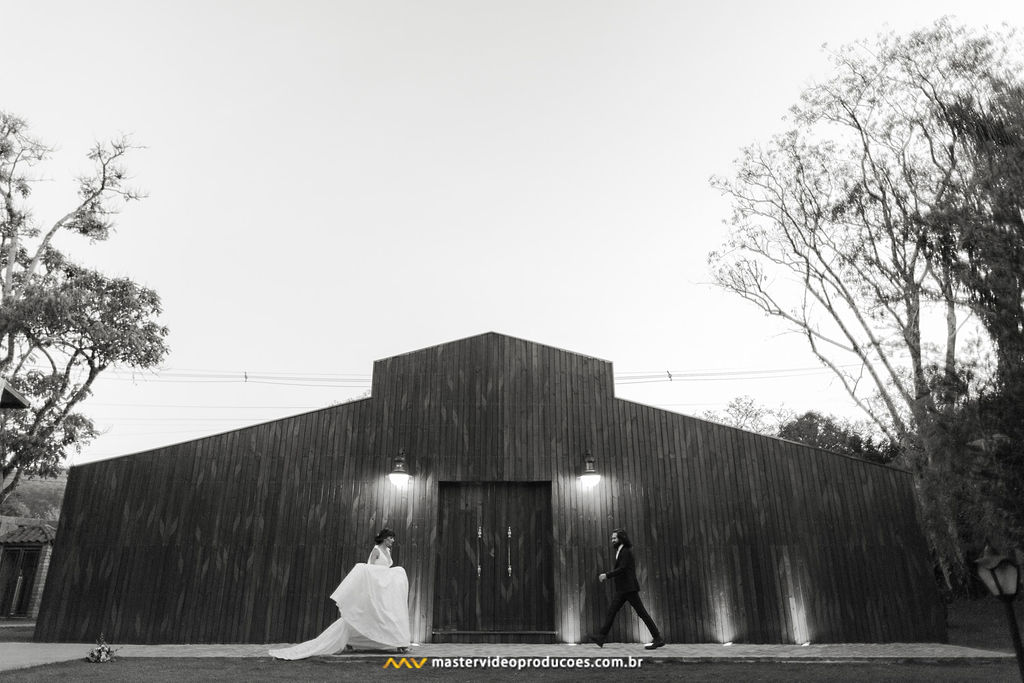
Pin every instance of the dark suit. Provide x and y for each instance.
(627, 590)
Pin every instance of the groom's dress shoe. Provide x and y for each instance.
(599, 640)
(655, 645)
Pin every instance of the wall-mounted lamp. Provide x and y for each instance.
(399, 473)
(590, 476)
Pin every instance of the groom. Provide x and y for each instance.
(626, 590)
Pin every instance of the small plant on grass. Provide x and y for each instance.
(101, 653)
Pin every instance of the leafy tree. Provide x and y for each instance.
(61, 324)
(34, 497)
(835, 231)
(838, 436)
(982, 223)
(811, 428)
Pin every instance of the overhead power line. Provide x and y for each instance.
(356, 381)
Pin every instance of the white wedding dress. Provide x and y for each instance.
(373, 601)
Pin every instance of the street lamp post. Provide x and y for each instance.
(1001, 576)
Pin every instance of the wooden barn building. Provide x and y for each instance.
(242, 536)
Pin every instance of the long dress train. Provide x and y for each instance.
(373, 602)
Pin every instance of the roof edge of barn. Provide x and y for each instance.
(336, 405)
(769, 436)
(150, 451)
(492, 333)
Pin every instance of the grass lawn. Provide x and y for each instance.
(239, 670)
(982, 623)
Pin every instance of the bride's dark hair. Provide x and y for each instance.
(382, 534)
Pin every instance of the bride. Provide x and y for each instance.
(372, 601)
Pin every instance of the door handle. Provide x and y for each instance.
(510, 551)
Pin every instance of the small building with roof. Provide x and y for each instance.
(25, 549)
(11, 398)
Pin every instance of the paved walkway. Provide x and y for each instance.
(21, 655)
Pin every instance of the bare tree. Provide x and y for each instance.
(746, 413)
(831, 230)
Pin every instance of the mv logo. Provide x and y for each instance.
(407, 662)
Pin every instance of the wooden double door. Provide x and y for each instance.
(494, 563)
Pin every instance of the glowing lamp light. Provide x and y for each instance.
(399, 473)
(801, 633)
(725, 629)
(590, 476)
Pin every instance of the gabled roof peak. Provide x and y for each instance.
(496, 336)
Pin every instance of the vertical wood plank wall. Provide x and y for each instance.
(242, 536)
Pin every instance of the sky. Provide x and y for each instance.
(334, 182)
